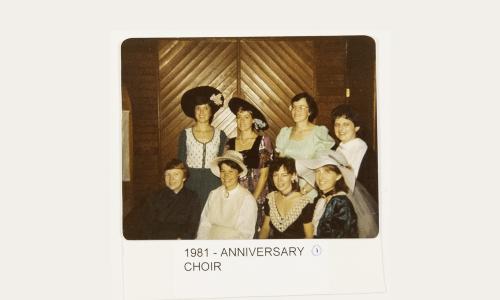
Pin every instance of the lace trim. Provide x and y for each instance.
(282, 223)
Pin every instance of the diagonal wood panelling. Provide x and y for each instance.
(269, 71)
(264, 71)
(272, 72)
(184, 64)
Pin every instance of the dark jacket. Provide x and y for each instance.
(338, 220)
(164, 216)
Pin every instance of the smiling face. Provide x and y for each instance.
(228, 176)
(282, 180)
(244, 120)
(174, 179)
(300, 110)
(345, 130)
(326, 178)
(202, 113)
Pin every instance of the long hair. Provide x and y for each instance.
(340, 185)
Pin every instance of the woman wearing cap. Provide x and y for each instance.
(304, 140)
(202, 143)
(173, 213)
(230, 211)
(336, 182)
(334, 216)
(256, 149)
(363, 160)
(288, 212)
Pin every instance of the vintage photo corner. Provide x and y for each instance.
(249, 137)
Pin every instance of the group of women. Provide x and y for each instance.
(244, 188)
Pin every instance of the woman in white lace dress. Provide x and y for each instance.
(200, 144)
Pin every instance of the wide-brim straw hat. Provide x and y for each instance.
(306, 167)
(260, 122)
(231, 155)
(201, 95)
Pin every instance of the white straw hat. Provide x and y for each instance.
(231, 155)
(306, 167)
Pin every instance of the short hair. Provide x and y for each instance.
(340, 185)
(201, 101)
(311, 103)
(346, 111)
(288, 164)
(242, 109)
(175, 163)
(232, 164)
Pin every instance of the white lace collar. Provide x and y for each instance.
(282, 222)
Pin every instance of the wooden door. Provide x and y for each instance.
(266, 72)
(184, 64)
(272, 72)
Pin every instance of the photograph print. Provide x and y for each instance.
(249, 138)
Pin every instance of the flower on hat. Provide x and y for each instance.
(259, 124)
(217, 99)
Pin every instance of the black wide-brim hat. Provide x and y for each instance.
(260, 121)
(201, 95)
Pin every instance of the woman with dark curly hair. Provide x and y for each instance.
(256, 148)
(363, 160)
(288, 213)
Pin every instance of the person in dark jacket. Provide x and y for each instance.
(173, 213)
(334, 214)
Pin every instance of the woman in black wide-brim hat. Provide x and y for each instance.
(255, 147)
(200, 144)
